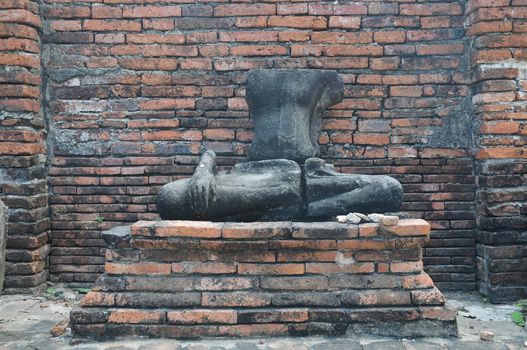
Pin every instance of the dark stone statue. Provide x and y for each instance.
(283, 179)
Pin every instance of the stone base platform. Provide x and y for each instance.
(189, 279)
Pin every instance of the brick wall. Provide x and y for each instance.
(23, 186)
(136, 92)
(498, 62)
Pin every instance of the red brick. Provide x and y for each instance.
(218, 134)
(348, 50)
(258, 50)
(409, 227)
(439, 314)
(303, 22)
(417, 281)
(109, 25)
(143, 268)
(20, 149)
(65, 25)
(344, 22)
(239, 64)
(256, 230)
(248, 36)
(332, 268)
(201, 229)
(162, 104)
(430, 9)
(68, 12)
(388, 63)
(98, 299)
(339, 124)
(158, 24)
(151, 11)
(23, 60)
(292, 9)
(203, 268)
(136, 316)
(306, 50)
(410, 91)
(251, 22)
(196, 63)
(270, 269)
(486, 56)
(155, 39)
(500, 127)
(341, 37)
(237, 103)
(442, 153)
(169, 50)
(20, 16)
(370, 139)
(436, 22)
(406, 267)
(244, 9)
(500, 153)
(389, 37)
(202, 317)
(489, 27)
(294, 256)
(368, 230)
(236, 299)
(440, 49)
(377, 298)
(19, 91)
(252, 330)
(383, 267)
(214, 50)
(106, 12)
(427, 297)
(293, 36)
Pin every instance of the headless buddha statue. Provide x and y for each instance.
(283, 179)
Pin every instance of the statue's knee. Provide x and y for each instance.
(172, 200)
(392, 190)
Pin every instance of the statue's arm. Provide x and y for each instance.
(202, 183)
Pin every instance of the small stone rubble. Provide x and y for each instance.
(357, 218)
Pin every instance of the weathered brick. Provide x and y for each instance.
(406, 267)
(111, 25)
(136, 316)
(236, 299)
(188, 229)
(202, 317)
(256, 230)
(271, 269)
(273, 316)
(137, 269)
(331, 268)
(344, 22)
(376, 298)
(302, 22)
(151, 11)
(245, 9)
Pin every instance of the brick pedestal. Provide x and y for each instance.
(186, 279)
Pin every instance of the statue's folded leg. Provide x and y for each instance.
(246, 192)
(329, 193)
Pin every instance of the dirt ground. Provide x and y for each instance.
(27, 322)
